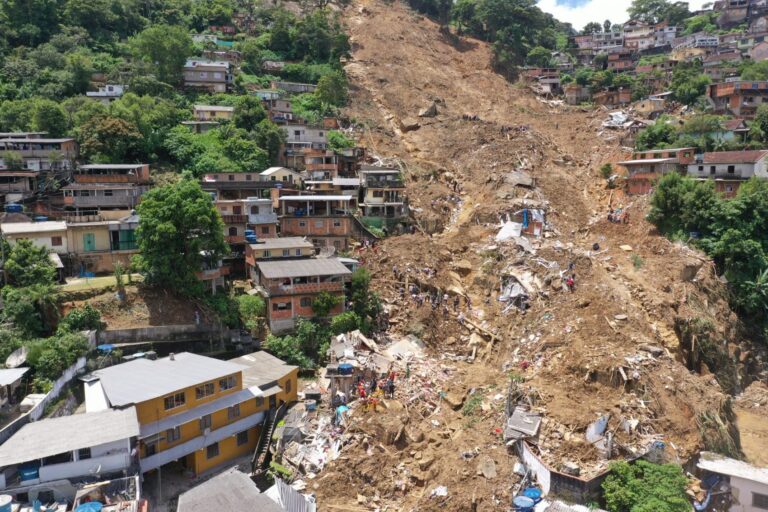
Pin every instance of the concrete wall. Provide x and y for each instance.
(742, 491)
(106, 458)
(44, 240)
(184, 332)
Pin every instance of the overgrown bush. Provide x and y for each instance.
(86, 318)
(646, 487)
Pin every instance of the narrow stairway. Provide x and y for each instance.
(259, 459)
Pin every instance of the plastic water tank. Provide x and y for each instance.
(14, 208)
(40, 218)
(523, 504)
(5, 503)
(345, 369)
(534, 493)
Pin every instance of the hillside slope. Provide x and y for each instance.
(620, 344)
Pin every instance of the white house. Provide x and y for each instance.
(729, 168)
(44, 453)
(50, 234)
(282, 174)
(748, 483)
(108, 93)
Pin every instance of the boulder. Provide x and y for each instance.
(409, 124)
(430, 111)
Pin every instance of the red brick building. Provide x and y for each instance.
(290, 286)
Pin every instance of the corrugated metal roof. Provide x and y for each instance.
(11, 375)
(228, 492)
(214, 108)
(143, 379)
(22, 228)
(735, 157)
(724, 466)
(647, 161)
(302, 268)
(49, 437)
(263, 368)
(291, 242)
(38, 141)
(112, 166)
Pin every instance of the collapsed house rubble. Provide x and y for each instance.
(568, 463)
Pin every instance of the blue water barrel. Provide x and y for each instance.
(251, 239)
(533, 493)
(5, 503)
(14, 208)
(249, 232)
(523, 504)
(310, 405)
(40, 218)
(345, 369)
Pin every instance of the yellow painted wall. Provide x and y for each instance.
(148, 412)
(278, 253)
(75, 238)
(228, 450)
(154, 410)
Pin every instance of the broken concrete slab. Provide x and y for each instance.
(454, 400)
(487, 468)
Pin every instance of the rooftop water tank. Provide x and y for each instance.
(14, 208)
(5, 503)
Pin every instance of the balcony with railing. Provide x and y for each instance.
(213, 273)
(127, 201)
(305, 286)
(234, 219)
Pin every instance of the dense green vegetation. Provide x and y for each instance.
(51, 50)
(732, 232)
(180, 233)
(646, 487)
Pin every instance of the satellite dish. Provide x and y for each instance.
(17, 358)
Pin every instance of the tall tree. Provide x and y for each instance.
(607, 26)
(592, 27)
(27, 264)
(164, 47)
(179, 230)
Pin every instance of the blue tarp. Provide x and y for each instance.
(106, 348)
(93, 506)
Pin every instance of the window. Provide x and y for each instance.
(150, 449)
(227, 383)
(259, 401)
(320, 134)
(265, 230)
(306, 302)
(380, 193)
(267, 254)
(248, 177)
(231, 177)
(288, 386)
(298, 252)
(337, 223)
(204, 391)
(712, 169)
(731, 169)
(701, 168)
(56, 241)
(281, 306)
(242, 438)
(319, 223)
(108, 193)
(760, 500)
(286, 252)
(232, 231)
(83, 453)
(216, 176)
(337, 244)
(212, 451)
(302, 224)
(172, 435)
(173, 401)
(296, 133)
(205, 422)
(233, 412)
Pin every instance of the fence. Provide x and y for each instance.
(37, 411)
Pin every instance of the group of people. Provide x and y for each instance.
(618, 216)
(371, 392)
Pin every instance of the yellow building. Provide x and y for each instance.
(195, 410)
